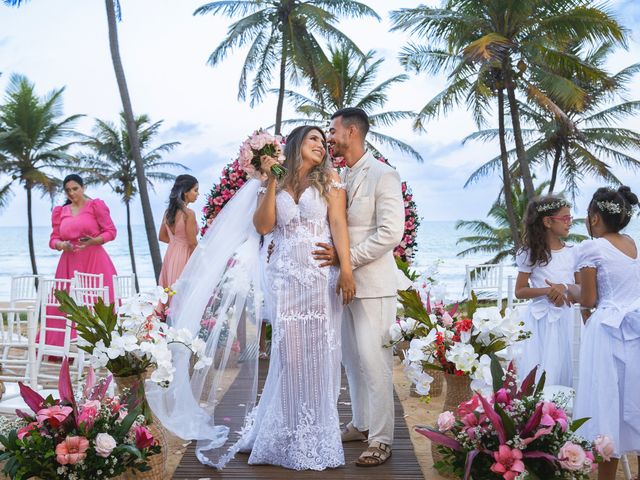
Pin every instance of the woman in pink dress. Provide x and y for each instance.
(179, 229)
(80, 227)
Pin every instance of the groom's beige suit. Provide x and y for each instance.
(375, 209)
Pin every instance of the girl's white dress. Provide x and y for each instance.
(609, 381)
(296, 423)
(551, 327)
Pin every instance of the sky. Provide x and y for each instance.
(164, 48)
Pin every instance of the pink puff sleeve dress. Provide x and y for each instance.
(93, 220)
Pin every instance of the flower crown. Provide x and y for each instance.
(555, 205)
(613, 208)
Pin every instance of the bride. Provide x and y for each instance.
(297, 424)
(219, 298)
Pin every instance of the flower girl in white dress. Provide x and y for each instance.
(546, 266)
(609, 381)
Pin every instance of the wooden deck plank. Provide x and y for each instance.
(402, 465)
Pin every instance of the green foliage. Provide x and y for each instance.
(349, 81)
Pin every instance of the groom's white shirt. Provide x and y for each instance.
(375, 210)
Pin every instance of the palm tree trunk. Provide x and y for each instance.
(554, 171)
(525, 171)
(32, 251)
(506, 174)
(150, 228)
(131, 253)
(283, 71)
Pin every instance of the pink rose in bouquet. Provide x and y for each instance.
(604, 447)
(446, 420)
(259, 144)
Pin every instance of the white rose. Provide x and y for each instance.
(104, 444)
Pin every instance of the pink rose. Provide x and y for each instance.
(446, 420)
(572, 457)
(72, 450)
(144, 439)
(447, 321)
(55, 415)
(603, 445)
(104, 444)
(508, 462)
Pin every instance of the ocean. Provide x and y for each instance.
(437, 242)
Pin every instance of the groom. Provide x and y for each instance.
(375, 210)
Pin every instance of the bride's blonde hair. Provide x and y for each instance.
(319, 176)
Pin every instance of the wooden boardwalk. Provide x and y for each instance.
(402, 465)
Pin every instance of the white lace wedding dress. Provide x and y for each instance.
(296, 424)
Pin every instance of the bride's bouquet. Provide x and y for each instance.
(258, 144)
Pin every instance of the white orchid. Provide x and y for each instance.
(463, 356)
(141, 340)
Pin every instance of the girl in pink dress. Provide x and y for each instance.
(80, 227)
(179, 229)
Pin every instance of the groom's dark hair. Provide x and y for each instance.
(354, 116)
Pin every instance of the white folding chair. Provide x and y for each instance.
(483, 279)
(124, 286)
(24, 290)
(28, 373)
(18, 367)
(88, 296)
(23, 294)
(88, 280)
(49, 314)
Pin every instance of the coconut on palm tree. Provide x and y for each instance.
(525, 40)
(350, 81)
(34, 143)
(284, 37)
(111, 161)
(494, 238)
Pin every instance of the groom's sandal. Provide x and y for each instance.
(352, 434)
(375, 455)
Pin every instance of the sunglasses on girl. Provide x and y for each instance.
(562, 218)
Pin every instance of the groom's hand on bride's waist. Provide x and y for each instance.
(326, 254)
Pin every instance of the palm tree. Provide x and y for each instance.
(495, 239)
(350, 83)
(592, 136)
(33, 141)
(111, 161)
(113, 15)
(282, 33)
(524, 39)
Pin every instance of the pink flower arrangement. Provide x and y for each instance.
(513, 433)
(233, 177)
(71, 438)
